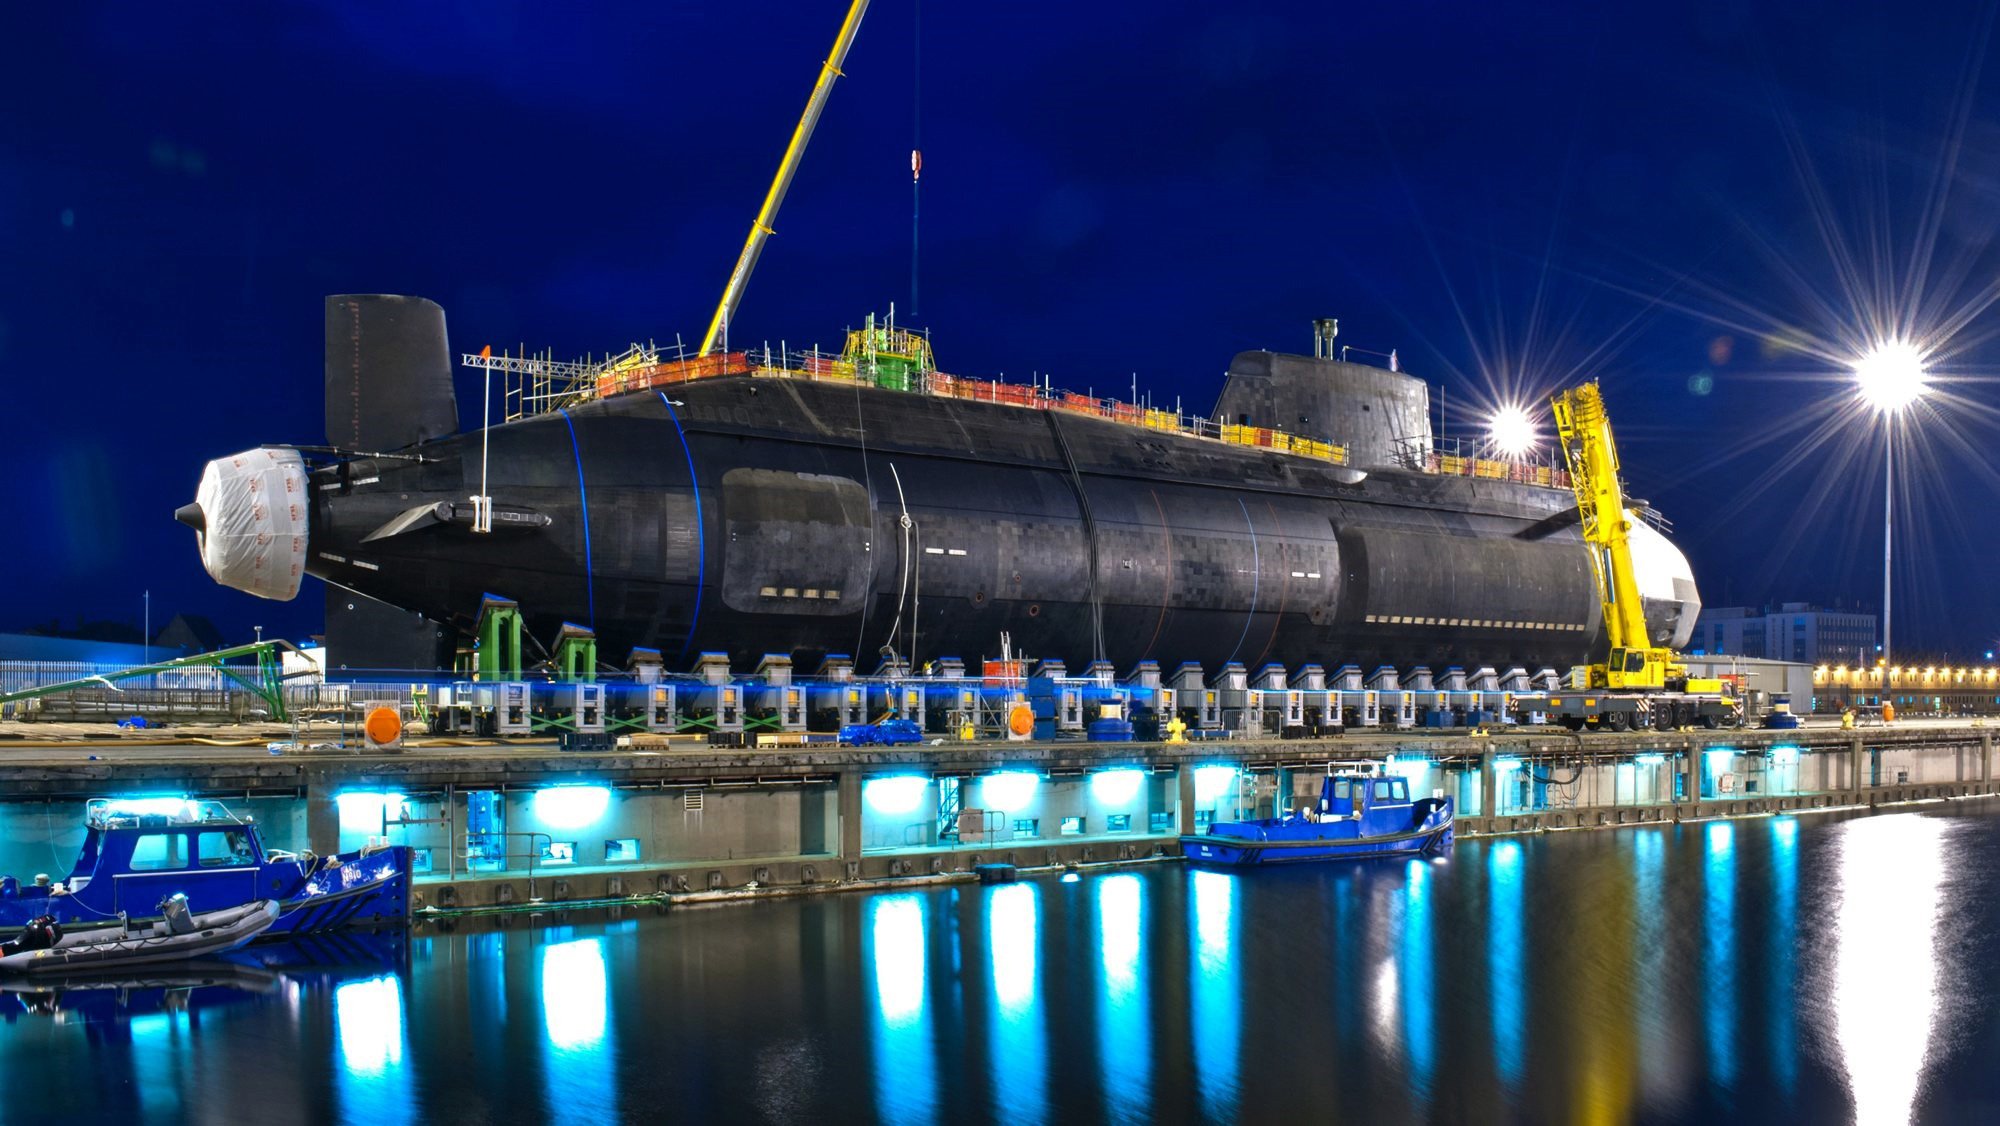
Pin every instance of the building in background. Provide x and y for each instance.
(1792, 631)
(1728, 631)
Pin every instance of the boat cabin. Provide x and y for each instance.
(1381, 802)
(148, 852)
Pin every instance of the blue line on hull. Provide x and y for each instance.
(589, 574)
(700, 534)
(1256, 577)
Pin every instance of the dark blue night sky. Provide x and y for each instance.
(1706, 205)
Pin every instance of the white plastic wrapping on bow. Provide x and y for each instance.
(255, 510)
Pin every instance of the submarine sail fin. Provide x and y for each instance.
(388, 372)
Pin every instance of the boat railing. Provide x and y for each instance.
(111, 813)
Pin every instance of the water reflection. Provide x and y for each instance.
(157, 1042)
(1419, 1000)
(574, 994)
(1783, 931)
(368, 1023)
(1019, 1045)
(1506, 959)
(1891, 871)
(580, 1072)
(1697, 956)
(1718, 968)
(1217, 1012)
(1659, 1055)
(1124, 1030)
(905, 1080)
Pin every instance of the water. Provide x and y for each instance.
(1818, 970)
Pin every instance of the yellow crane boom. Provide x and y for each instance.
(1585, 432)
(760, 228)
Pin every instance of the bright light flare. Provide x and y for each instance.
(1117, 787)
(1010, 791)
(571, 807)
(1891, 375)
(895, 793)
(1512, 431)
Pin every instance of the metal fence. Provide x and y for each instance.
(194, 693)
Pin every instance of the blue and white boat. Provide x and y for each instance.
(138, 853)
(1359, 816)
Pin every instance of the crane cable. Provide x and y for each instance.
(916, 137)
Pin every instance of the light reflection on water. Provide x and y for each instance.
(1660, 1055)
(1419, 999)
(1773, 969)
(576, 1003)
(1506, 959)
(1782, 936)
(369, 1021)
(1719, 989)
(1124, 1035)
(899, 976)
(1890, 872)
(1217, 1006)
(1019, 1055)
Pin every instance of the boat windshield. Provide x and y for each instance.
(1392, 790)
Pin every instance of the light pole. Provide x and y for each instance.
(147, 640)
(1889, 377)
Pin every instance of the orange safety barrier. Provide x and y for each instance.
(826, 367)
(672, 371)
(1005, 670)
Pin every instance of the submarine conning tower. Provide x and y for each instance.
(1382, 417)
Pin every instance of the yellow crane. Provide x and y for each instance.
(760, 228)
(1635, 664)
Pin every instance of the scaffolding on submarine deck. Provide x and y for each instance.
(889, 356)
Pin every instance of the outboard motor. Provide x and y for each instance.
(40, 933)
(174, 909)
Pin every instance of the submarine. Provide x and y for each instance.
(749, 515)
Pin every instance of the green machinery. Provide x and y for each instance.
(266, 679)
(496, 655)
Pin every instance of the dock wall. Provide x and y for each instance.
(507, 825)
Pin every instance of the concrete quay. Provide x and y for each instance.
(513, 824)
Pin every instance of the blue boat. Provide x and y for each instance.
(138, 853)
(1359, 816)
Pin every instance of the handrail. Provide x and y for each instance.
(532, 855)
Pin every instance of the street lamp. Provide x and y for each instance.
(1890, 376)
(1511, 431)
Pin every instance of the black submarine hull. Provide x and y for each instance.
(755, 516)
